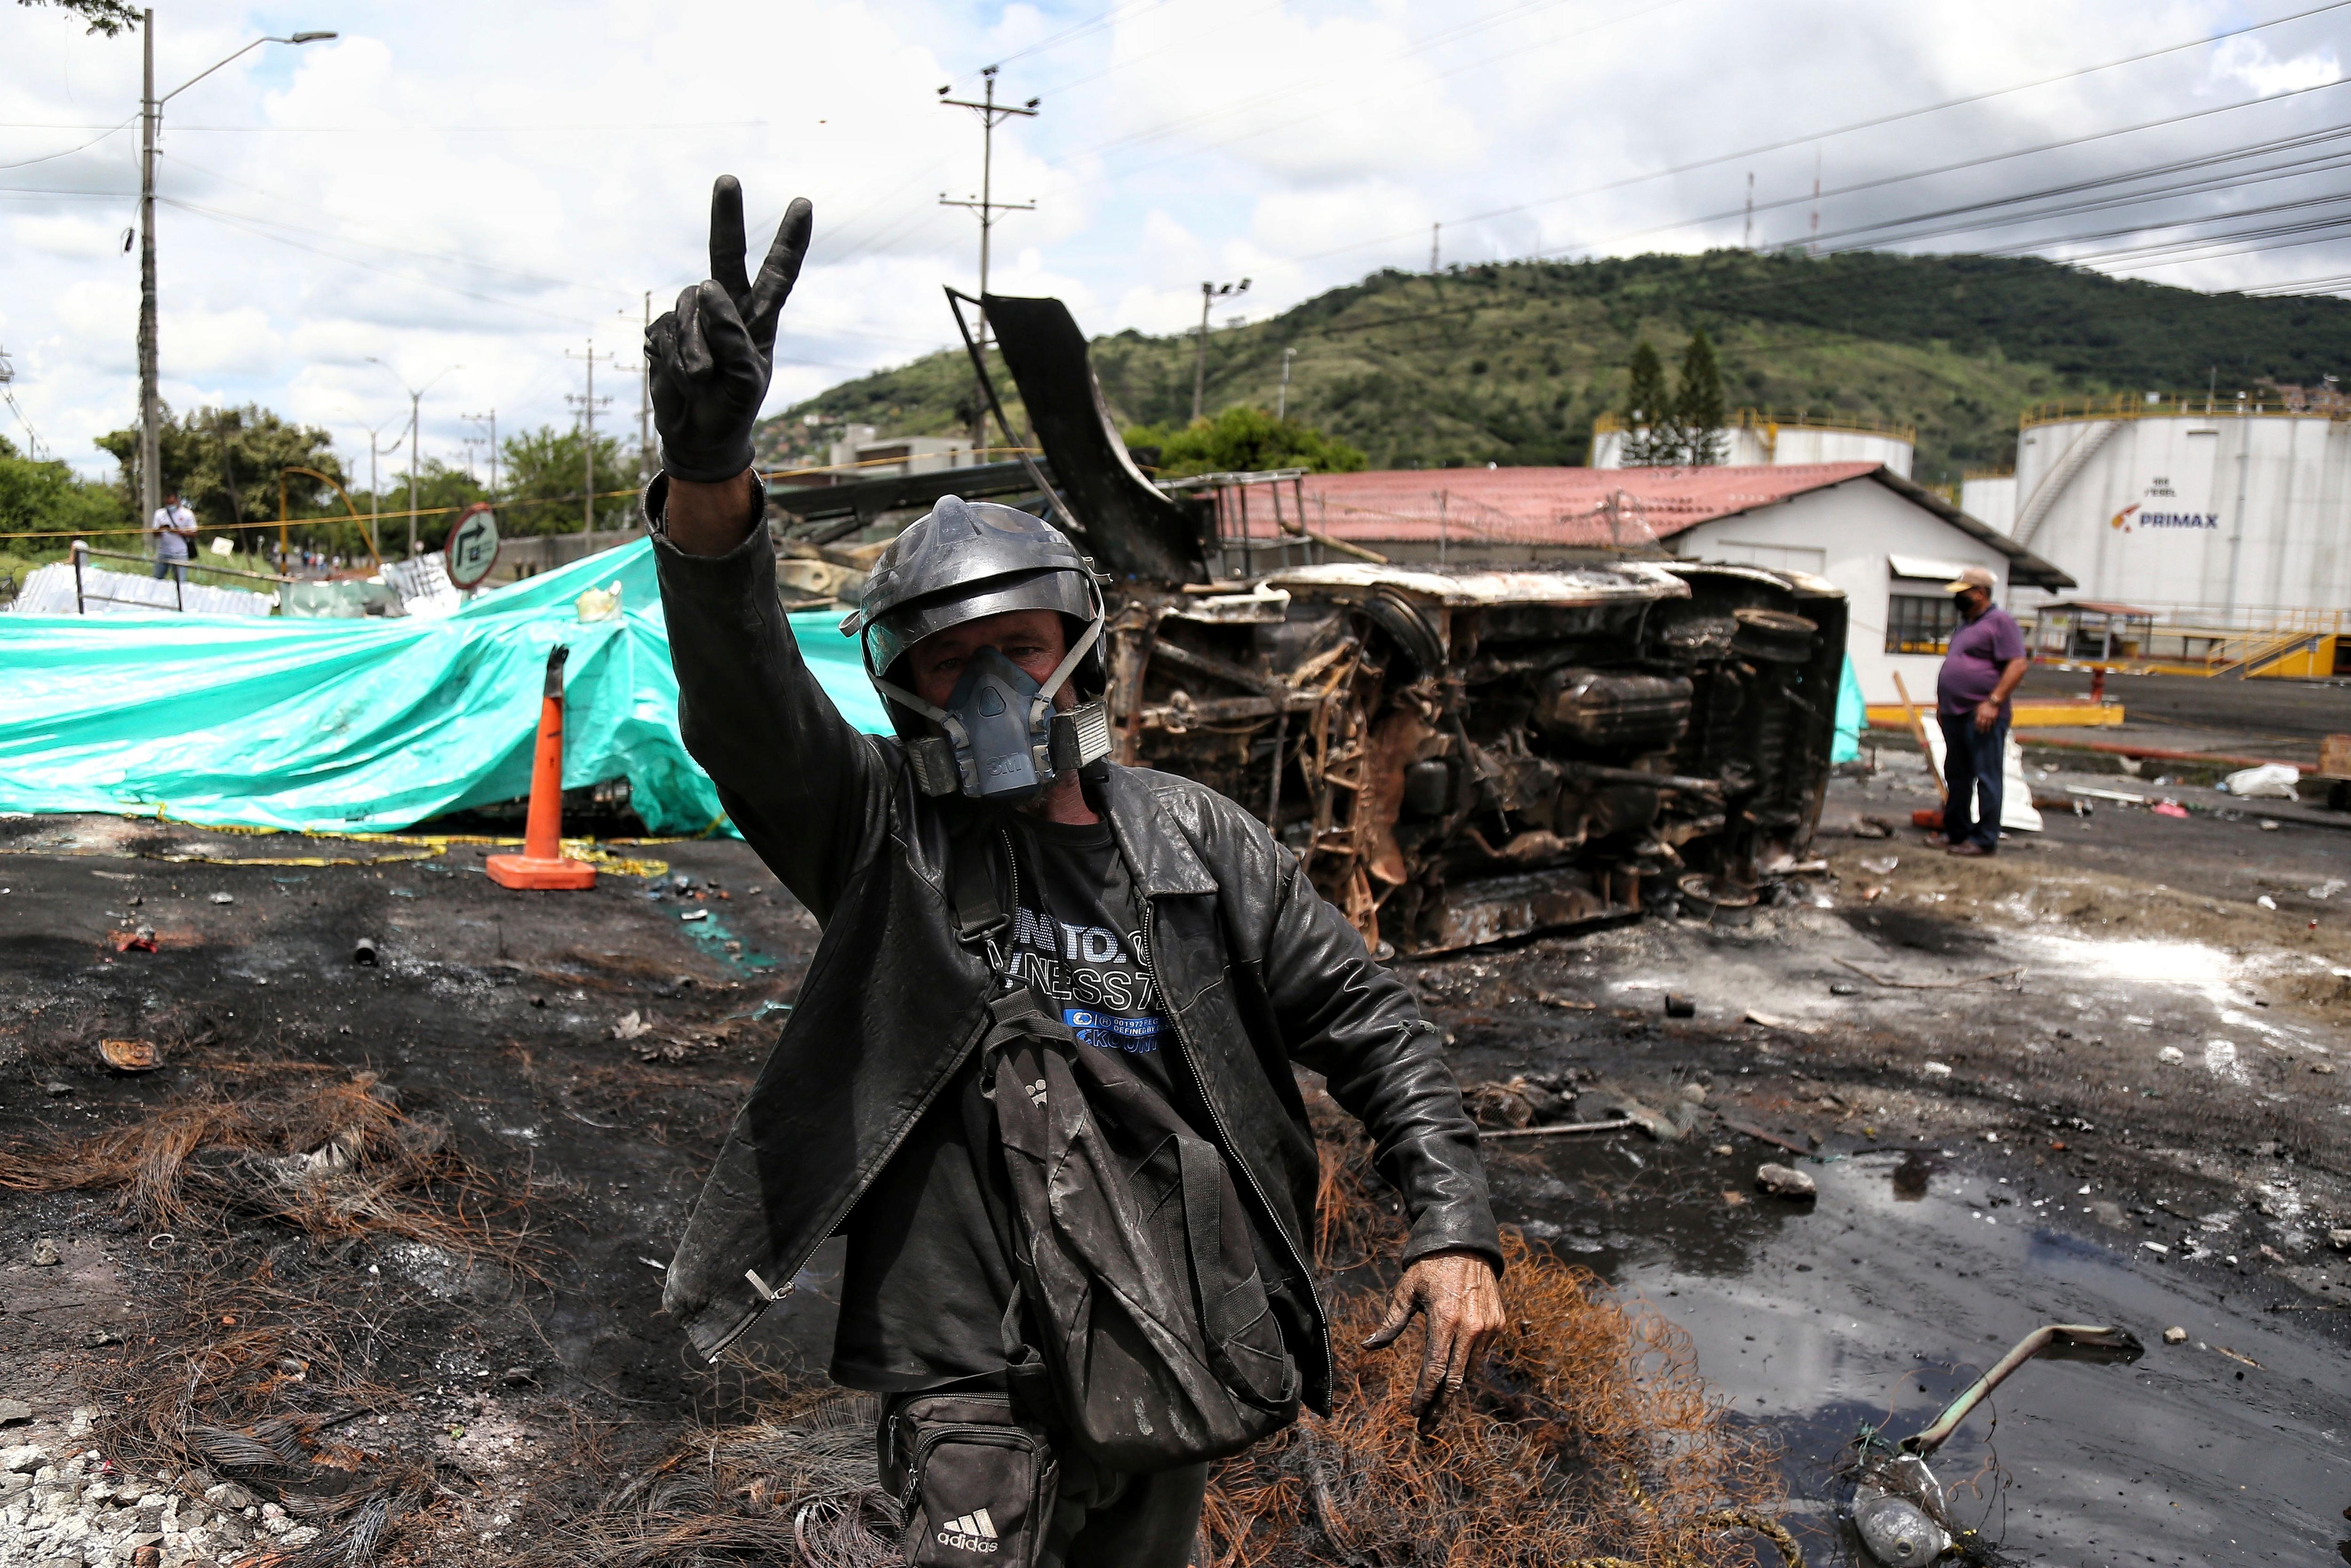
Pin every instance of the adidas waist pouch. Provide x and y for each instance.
(975, 1483)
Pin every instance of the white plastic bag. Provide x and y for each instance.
(2270, 781)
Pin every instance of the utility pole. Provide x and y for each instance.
(1208, 291)
(990, 114)
(1813, 246)
(645, 463)
(151, 476)
(1281, 403)
(1747, 235)
(587, 404)
(490, 419)
(151, 121)
(416, 434)
(1435, 232)
(375, 494)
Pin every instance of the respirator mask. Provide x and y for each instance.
(1003, 740)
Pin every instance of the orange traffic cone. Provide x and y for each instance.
(541, 863)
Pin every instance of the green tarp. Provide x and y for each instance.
(1851, 718)
(367, 726)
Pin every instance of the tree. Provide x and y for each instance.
(224, 462)
(544, 474)
(1652, 439)
(107, 16)
(1698, 405)
(37, 497)
(1246, 441)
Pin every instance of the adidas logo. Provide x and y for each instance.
(975, 1531)
(1037, 1092)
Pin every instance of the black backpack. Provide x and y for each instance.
(1146, 1320)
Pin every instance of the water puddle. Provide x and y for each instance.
(1905, 1281)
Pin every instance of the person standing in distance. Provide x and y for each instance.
(173, 528)
(1981, 666)
(1151, 922)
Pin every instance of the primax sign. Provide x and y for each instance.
(2131, 518)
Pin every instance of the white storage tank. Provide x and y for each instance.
(1990, 497)
(2213, 511)
(1759, 438)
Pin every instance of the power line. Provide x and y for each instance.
(1872, 124)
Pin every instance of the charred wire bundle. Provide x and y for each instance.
(800, 1488)
(335, 1161)
(250, 1371)
(1590, 1436)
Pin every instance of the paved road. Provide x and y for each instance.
(2247, 709)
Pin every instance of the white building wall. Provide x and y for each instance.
(2219, 521)
(1990, 500)
(1851, 530)
(1783, 444)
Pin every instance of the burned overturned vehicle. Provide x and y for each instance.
(1458, 753)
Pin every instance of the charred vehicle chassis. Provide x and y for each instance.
(1457, 755)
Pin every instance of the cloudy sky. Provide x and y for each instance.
(489, 186)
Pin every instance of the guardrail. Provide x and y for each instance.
(83, 595)
(2184, 405)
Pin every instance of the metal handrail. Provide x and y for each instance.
(79, 551)
(2180, 405)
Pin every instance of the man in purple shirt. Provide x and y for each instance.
(1981, 666)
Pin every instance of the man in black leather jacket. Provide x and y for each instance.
(1253, 970)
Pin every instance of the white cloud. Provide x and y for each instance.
(2248, 61)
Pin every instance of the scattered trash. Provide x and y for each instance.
(1612, 1124)
(57, 1086)
(2169, 808)
(1873, 827)
(630, 1026)
(1898, 1508)
(1843, 988)
(224, 898)
(2122, 797)
(1786, 1181)
(2171, 1056)
(139, 941)
(695, 915)
(2157, 1248)
(2327, 888)
(364, 951)
(1694, 1092)
(2270, 824)
(1882, 865)
(1680, 1007)
(2340, 1239)
(1773, 1020)
(1937, 1069)
(2175, 1336)
(2266, 901)
(2270, 781)
(599, 603)
(130, 1055)
(45, 1254)
(1574, 1004)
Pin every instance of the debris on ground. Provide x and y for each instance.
(1785, 1181)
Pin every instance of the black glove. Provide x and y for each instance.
(711, 356)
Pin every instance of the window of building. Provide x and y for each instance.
(1921, 623)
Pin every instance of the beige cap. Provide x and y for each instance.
(1973, 577)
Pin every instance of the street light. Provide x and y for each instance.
(415, 405)
(151, 116)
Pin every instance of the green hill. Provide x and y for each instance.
(1508, 363)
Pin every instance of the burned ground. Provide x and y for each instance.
(1976, 1056)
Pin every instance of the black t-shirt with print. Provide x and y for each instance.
(927, 1283)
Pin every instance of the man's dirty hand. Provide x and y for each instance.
(1462, 1301)
(711, 355)
(1986, 715)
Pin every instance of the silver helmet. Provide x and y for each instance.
(965, 560)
